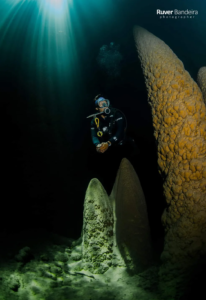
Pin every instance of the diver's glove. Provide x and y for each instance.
(101, 148)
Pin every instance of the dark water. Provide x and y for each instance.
(49, 76)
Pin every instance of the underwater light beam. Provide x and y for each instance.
(56, 6)
(55, 2)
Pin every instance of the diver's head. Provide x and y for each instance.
(102, 104)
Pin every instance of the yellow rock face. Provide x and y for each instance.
(179, 122)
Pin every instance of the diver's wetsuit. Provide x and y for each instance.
(105, 165)
(113, 127)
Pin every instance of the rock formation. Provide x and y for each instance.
(179, 121)
(116, 231)
(201, 80)
(132, 231)
(97, 237)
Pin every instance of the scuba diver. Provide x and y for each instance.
(108, 133)
(108, 126)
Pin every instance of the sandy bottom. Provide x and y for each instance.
(43, 266)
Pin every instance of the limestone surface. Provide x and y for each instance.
(178, 113)
(201, 80)
(97, 233)
(132, 231)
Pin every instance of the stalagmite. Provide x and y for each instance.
(179, 121)
(132, 231)
(201, 80)
(97, 233)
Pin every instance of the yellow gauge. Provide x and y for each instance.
(99, 133)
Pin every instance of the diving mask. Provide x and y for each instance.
(102, 105)
(106, 110)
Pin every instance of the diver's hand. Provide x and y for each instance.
(98, 148)
(104, 147)
(101, 148)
